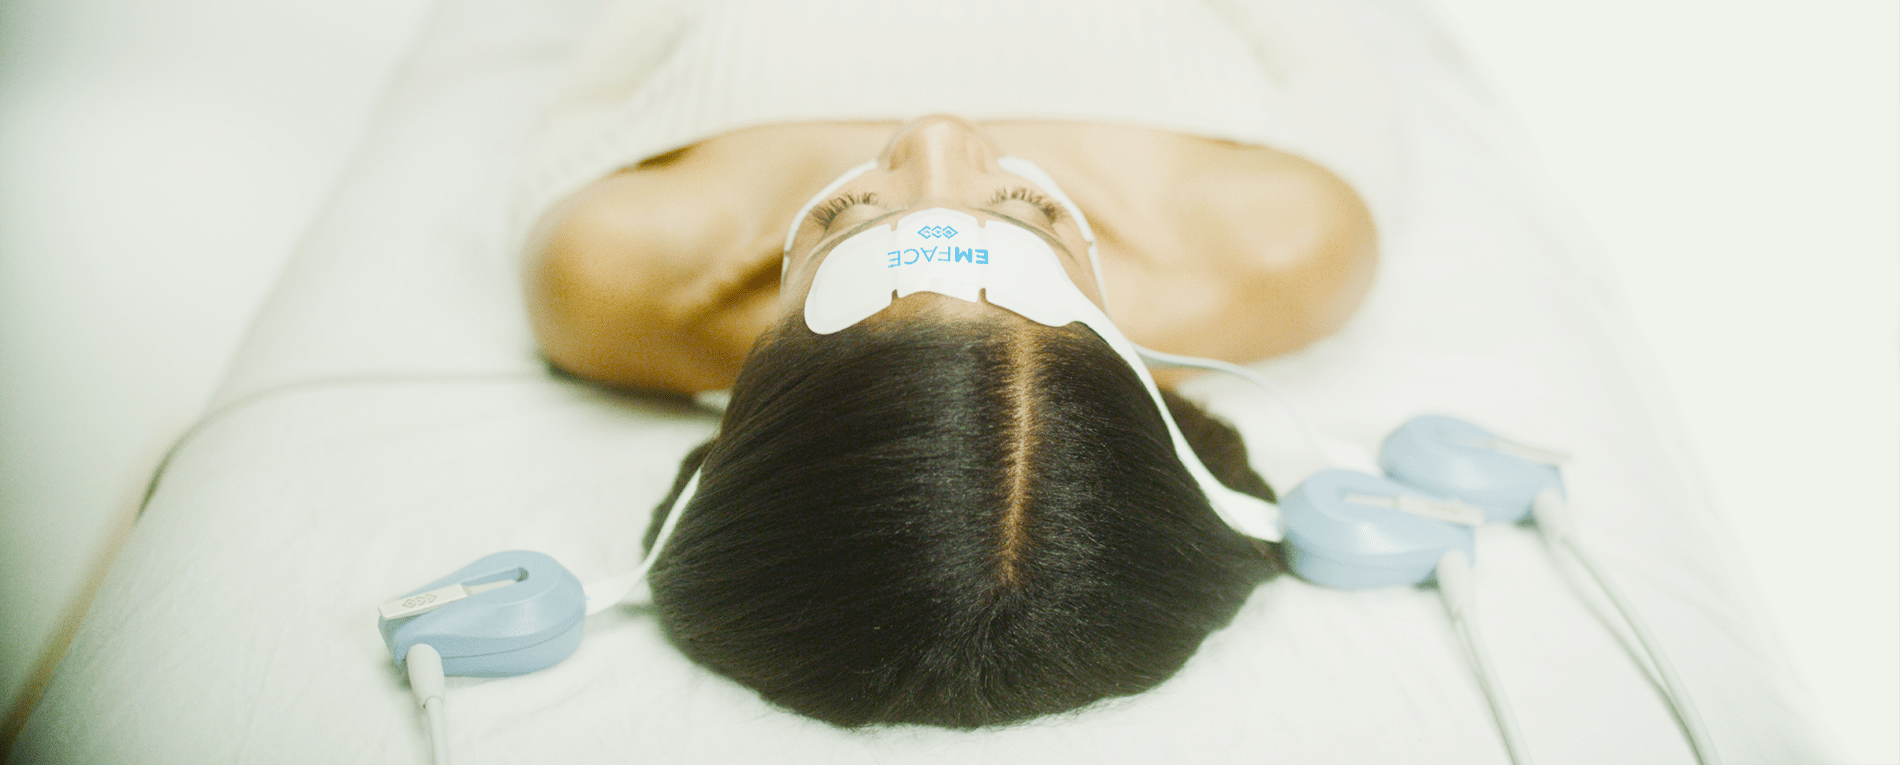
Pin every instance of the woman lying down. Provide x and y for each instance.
(945, 490)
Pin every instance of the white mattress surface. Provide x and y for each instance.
(388, 422)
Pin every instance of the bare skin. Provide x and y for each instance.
(662, 276)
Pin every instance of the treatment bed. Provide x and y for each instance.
(388, 420)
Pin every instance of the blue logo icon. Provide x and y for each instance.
(936, 232)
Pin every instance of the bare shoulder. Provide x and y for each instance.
(1210, 247)
(664, 274)
(1292, 246)
(627, 287)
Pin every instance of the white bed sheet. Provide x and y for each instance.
(387, 422)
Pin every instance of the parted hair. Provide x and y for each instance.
(960, 523)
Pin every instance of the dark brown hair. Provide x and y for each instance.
(954, 523)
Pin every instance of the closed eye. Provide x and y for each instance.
(1049, 210)
(824, 214)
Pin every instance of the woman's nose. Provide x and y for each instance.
(938, 156)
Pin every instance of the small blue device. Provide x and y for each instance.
(1352, 531)
(1453, 458)
(506, 614)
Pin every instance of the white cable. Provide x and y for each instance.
(1558, 526)
(429, 686)
(1176, 361)
(438, 731)
(607, 593)
(1454, 584)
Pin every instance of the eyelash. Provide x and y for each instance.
(829, 211)
(826, 213)
(1050, 211)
